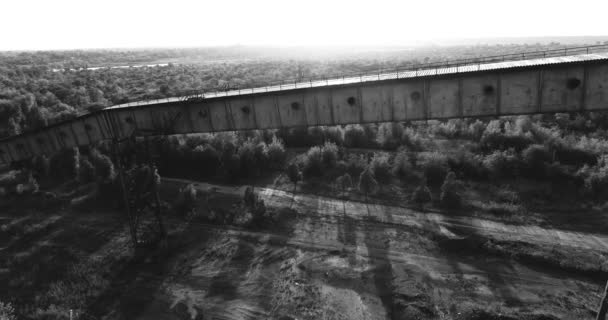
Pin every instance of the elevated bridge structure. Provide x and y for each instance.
(565, 80)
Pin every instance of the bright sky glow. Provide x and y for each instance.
(67, 24)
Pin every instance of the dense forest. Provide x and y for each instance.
(39, 88)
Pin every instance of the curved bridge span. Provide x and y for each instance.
(490, 87)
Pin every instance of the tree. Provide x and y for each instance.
(450, 197)
(367, 182)
(294, 174)
(422, 194)
(344, 182)
(7, 312)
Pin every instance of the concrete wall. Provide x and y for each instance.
(562, 89)
(519, 92)
(596, 87)
(553, 88)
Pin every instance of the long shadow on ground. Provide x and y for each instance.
(378, 244)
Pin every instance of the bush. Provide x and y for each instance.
(412, 139)
(595, 177)
(294, 174)
(402, 167)
(355, 164)
(7, 312)
(313, 163)
(344, 182)
(390, 135)
(380, 167)
(187, 199)
(206, 160)
(87, 171)
(64, 165)
(536, 157)
(276, 154)
(422, 194)
(254, 204)
(502, 141)
(355, 136)
(450, 197)
(104, 168)
(367, 182)
(502, 163)
(467, 165)
(435, 167)
(574, 156)
(329, 153)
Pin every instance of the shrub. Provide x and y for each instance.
(467, 164)
(65, 164)
(294, 174)
(344, 182)
(276, 153)
(450, 129)
(435, 167)
(367, 182)
(536, 157)
(252, 157)
(86, 172)
(380, 167)
(254, 204)
(104, 168)
(187, 200)
(475, 130)
(422, 194)
(390, 135)
(355, 164)
(41, 165)
(249, 197)
(450, 197)
(355, 137)
(313, 163)
(574, 156)
(502, 163)
(207, 160)
(502, 141)
(329, 153)
(412, 139)
(595, 177)
(402, 167)
(7, 312)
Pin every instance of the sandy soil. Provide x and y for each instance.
(329, 259)
(356, 261)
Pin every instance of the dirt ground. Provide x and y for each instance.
(327, 259)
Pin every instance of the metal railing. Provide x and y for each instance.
(411, 69)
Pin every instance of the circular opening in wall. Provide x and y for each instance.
(295, 105)
(245, 109)
(415, 95)
(88, 127)
(573, 83)
(488, 89)
(351, 101)
(129, 120)
(202, 114)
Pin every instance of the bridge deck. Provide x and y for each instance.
(402, 74)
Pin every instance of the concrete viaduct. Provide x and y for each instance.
(565, 80)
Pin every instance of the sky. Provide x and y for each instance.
(71, 24)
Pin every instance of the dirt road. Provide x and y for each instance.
(350, 260)
(317, 205)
